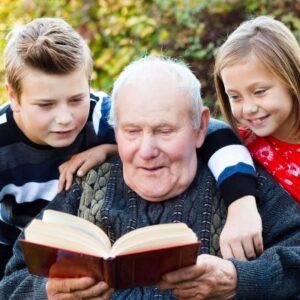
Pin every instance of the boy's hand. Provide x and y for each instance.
(241, 237)
(81, 163)
(77, 288)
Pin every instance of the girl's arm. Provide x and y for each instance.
(233, 168)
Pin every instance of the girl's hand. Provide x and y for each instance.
(241, 237)
(81, 163)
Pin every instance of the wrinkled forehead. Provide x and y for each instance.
(154, 100)
(157, 90)
(155, 80)
(152, 73)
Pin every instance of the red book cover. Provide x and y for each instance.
(123, 271)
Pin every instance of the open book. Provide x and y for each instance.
(63, 245)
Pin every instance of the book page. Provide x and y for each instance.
(64, 237)
(152, 237)
(62, 218)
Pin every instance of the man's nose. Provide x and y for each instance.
(148, 147)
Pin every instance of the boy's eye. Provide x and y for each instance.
(76, 100)
(44, 105)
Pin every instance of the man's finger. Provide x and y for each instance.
(163, 285)
(56, 286)
(100, 290)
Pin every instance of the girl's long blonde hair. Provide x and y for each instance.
(275, 47)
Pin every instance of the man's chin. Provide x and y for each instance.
(153, 195)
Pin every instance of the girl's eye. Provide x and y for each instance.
(233, 97)
(260, 91)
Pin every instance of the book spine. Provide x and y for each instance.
(109, 272)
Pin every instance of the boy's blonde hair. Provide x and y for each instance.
(275, 47)
(49, 45)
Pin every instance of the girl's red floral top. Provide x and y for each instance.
(280, 159)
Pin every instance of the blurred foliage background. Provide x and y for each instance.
(119, 31)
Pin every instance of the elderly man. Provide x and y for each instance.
(159, 122)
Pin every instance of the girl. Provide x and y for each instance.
(257, 78)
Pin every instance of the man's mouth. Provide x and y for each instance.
(151, 169)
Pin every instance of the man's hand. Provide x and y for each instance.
(81, 163)
(77, 288)
(211, 278)
(241, 237)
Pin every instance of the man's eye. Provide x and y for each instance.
(165, 131)
(132, 131)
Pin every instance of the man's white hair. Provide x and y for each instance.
(143, 69)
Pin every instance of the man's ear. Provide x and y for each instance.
(205, 115)
(116, 135)
(14, 103)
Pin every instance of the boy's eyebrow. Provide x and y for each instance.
(44, 100)
(80, 95)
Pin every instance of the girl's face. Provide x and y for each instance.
(258, 99)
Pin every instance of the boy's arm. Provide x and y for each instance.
(82, 162)
(233, 168)
(100, 118)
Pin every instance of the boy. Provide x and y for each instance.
(50, 117)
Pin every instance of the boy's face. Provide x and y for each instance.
(52, 109)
